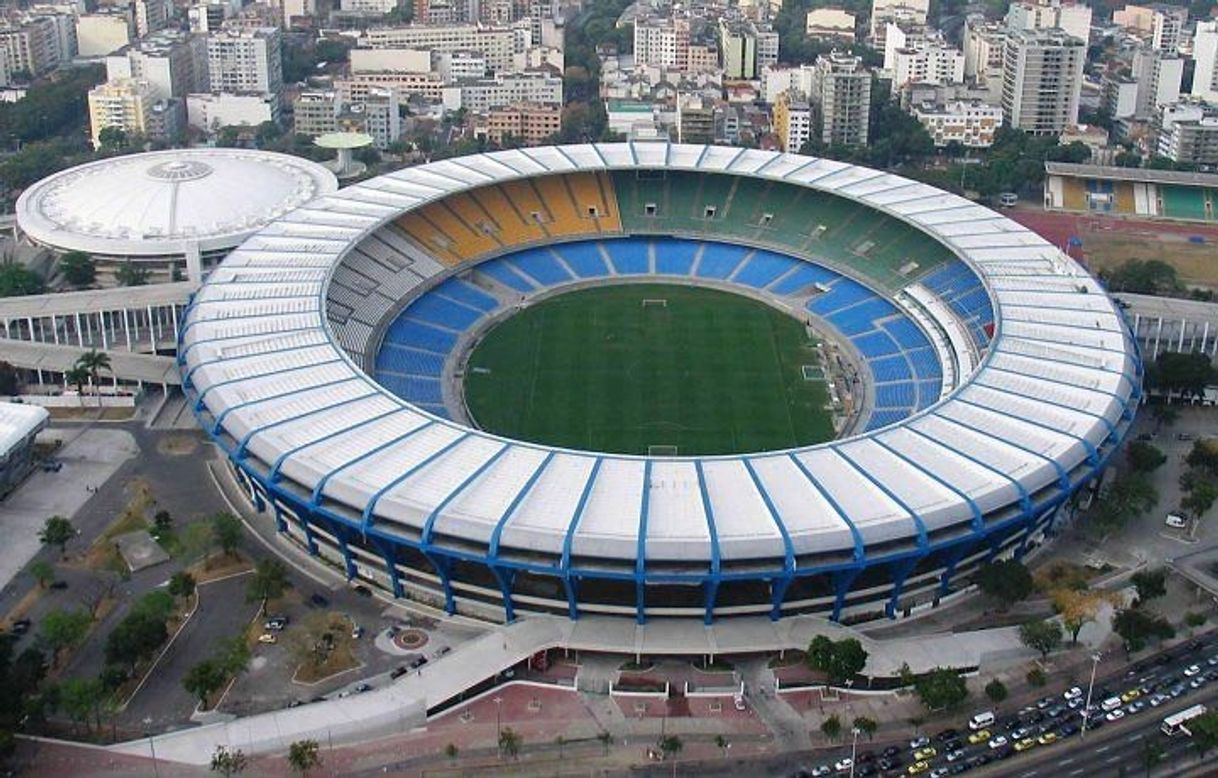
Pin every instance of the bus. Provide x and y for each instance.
(1177, 722)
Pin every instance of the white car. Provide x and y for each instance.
(919, 742)
(1159, 699)
(952, 756)
(1176, 522)
(938, 772)
(1115, 715)
(821, 771)
(844, 764)
(1191, 670)
(1073, 693)
(998, 742)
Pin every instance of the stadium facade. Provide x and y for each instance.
(998, 377)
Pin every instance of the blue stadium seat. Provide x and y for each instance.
(896, 395)
(763, 268)
(875, 344)
(908, 334)
(719, 260)
(890, 369)
(804, 276)
(882, 418)
(415, 390)
(434, 309)
(928, 393)
(506, 275)
(584, 258)
(467, 294)
(438, 410)
(629, 255)
(844, 292)
(861, 317)
(409, 361)
(540, 265)
(674, 257)
(412, 333)
(925, 363)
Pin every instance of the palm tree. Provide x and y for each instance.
(606, 740)
(94, 361)
(670, 746)
(510, 742)
(303, 756)
(78, 376)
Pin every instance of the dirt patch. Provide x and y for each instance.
(1193, 262)
(221, 566)
(103, 555)
(23, 605)
(178, 445)
(322, 646)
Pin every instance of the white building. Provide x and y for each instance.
(662, 41)
(459, 65)
(830, 24)
(31, 45)
(907, 12)
(792, 123)
(151, 16)
(1160, 24)
(211, 111)
(174, 64)
(1158, 75)
(99, 34)
(244, 62)
(1074, 18)
(1042, 80)
(842, 94)
(1205, 52)
(983, 49)
(969, 123)
(503, 89)
(1188, 133)
(497, 44)
(369, 6)
(927, 62)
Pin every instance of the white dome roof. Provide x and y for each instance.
(156, 203)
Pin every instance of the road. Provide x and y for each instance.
(1104, 750)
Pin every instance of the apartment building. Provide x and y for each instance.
(1042, 80)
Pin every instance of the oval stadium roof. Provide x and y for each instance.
(276, 388)
(154, 204)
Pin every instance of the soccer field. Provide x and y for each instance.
(706, 372)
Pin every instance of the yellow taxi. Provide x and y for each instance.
(1025, 744)
(917, 768)
(980, 736)
(1047, 739)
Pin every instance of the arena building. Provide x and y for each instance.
(183, 209)
(325, 357)
(19, 426)
(1123, 191)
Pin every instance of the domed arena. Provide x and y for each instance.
(654, 380)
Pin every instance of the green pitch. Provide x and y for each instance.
(707, 372)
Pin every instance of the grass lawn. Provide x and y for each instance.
(709, 372)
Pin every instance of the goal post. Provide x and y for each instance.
(662, 451)
(655, 302)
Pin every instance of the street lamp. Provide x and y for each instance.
(854, 746)
(1095, 661)
(498, 732)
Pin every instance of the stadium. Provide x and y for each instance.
(961, 378)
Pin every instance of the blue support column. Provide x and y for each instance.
(640, 601)
(443, 566)
(281, 525)
(340, 533)
(900, 571)
(568, 585)
(711, 590)
(958, 553)
(778, 592)
(391, 567)
(259, 502)
(310, 541)
(504, 577)
(842, 581)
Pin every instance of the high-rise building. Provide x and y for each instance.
(99, 34)
(983, 49)
(1205, 52)
(662, 41)
(695, 119)
(151, 16)
(497, 44)
(315, 112)
(1188, 133)
(792, 123)
(1158, 74)
(30, 46)
(738, 49)
(1074, 18)
(842, 94)
(528, 123)
(1159, 24)
(173, 63)
(245, 62)
(1042, 80)
(927, 60)
(126, 104)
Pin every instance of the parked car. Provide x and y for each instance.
(268, 637)
(20, 626)
(398, 672)
(363, 687)
(319, 601)
(275, 623)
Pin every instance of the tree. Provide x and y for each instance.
(303, 756)
(451, 751)
(62, 629)
(841, 660)
(1205, 732)
(831, 727)
(43, 573)
(1043, 635)
(94, 361)
(228, 762)
(57, 531)
(181, 584)
(1150, 584)
(1184, 373)
(996, 690)
(510, 742)
(16, 279)
(162, 521)
(78, 268)
(1144, 457)
(77, 376)
(136, 638)
(720, 742)
(10, 380)
(226, 532)
(670, 746)
(941, 688)
(866, 726)
(1007, 581)
(232, 654)
(269, 582)
(1201, 495)
(1077, 607)
(606, 740)
(1142, 276)
(204, 679)
(131, 274)
(1035, 678)
(81, 698)
(1136, 627)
